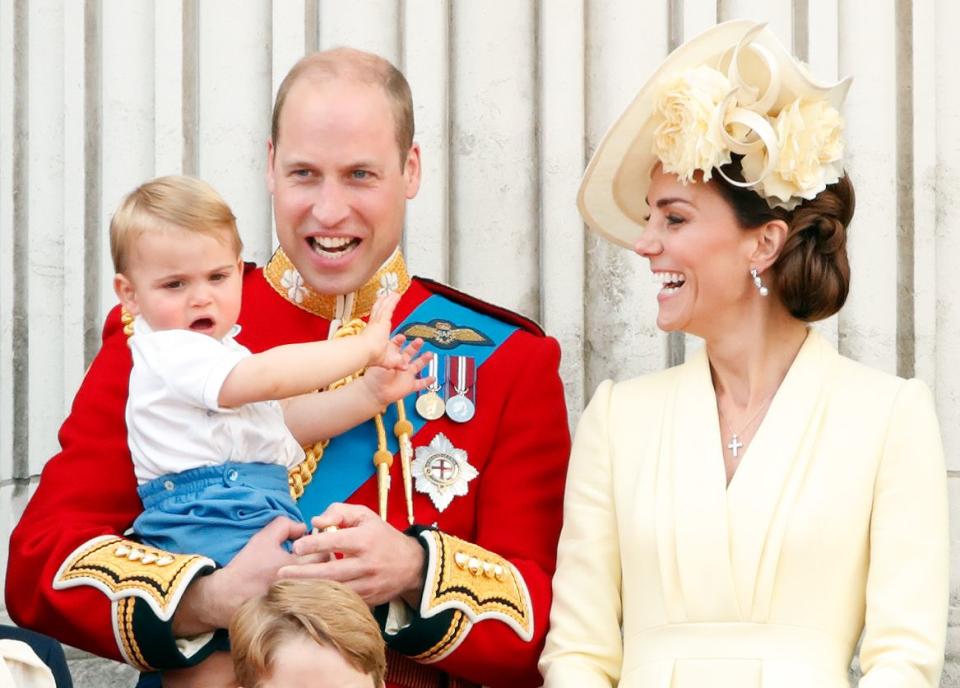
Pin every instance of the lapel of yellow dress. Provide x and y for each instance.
(765, 487)
(694, 490)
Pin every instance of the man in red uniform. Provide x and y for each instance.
(463, 595)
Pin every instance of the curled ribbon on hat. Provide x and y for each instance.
(763, 137)
(748, 93)
(750, 111)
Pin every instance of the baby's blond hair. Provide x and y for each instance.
(324, 611)
(166, 203)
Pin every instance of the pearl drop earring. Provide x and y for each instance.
(758, 283)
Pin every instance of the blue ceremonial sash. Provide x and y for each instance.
(348, 459)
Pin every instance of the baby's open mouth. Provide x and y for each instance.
(201, 324)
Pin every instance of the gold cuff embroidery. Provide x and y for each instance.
(282, 275)
(482, 585)
(459, 627)
(123, 631)
(122, 568)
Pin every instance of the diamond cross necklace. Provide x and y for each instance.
(735, 445)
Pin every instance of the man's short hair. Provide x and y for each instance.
(325, 611)
(167, 203)
(355, 65)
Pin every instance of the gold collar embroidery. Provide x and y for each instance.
(284, 277)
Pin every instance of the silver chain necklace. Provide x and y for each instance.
(735, 445)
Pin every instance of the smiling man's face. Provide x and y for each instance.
(339, 186)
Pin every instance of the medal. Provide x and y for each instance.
(461, 372)
(460, 409)
(442, 471)
(429, 404)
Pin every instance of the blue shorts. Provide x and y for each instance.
(213, 510)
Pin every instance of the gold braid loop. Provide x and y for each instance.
(127, 320)
(300, 475)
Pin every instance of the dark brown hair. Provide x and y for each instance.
(812, 274)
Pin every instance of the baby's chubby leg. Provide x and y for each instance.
(214, 672)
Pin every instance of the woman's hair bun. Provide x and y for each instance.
(813, 273)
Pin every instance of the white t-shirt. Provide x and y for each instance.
(174, 422)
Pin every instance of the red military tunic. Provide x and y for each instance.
(72, 575)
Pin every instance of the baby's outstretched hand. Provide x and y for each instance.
(396, 356)
(384, 351)
(389, 383)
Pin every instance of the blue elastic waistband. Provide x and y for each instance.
(266, 476)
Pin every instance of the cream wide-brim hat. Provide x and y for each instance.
(613, 191)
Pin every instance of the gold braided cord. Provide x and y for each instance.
(126, 318)
(403, 429)
(300, 475)
(381, 432)
(382, 459)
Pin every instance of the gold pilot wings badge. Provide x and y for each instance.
(441, 471)
(444, 334)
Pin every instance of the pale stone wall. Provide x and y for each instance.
(512, 96)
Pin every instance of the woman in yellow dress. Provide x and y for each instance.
(737, 521)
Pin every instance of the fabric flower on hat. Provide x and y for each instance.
(688, 139)
(810, 147)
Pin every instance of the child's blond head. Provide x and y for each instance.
(164, 203)
(326, 612)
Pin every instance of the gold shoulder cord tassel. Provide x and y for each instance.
(301, 475)
(383, 460)
(403, 429)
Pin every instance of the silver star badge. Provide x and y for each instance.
(442, 471)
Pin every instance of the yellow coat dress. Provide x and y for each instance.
(835, 522)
